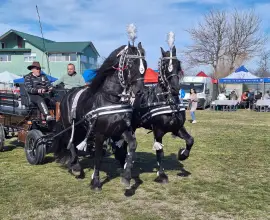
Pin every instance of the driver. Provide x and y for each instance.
(37, 85)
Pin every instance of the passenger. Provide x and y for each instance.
(71, 79)
(37, 85)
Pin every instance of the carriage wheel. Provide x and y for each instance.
(34, 154)
(2, 138)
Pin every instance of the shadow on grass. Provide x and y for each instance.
(13, 145)
(145, 163)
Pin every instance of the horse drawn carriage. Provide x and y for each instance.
(20, 117)
(112, 107)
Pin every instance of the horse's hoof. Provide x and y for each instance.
(125, 182)
(95, 185)
(96, 188)
(183, 154)
(76, 172)
(162, 178)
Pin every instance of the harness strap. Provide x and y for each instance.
(163, 110)
(74, 104)
(110, 107)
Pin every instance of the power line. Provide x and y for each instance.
(44, 46)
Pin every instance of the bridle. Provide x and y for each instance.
(126, 62)
(163, 78)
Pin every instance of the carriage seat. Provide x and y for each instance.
(9, 104)
(25, 98)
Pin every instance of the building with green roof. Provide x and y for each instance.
(18, 50)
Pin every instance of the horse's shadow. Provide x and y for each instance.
(13, 144)
(145, 163)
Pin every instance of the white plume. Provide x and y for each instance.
(170, 39)
(132, 32)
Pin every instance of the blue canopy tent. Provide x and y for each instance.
(266, 80)
(89, 75)
(241, 75)
(21, 80)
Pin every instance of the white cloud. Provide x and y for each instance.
(104, 21)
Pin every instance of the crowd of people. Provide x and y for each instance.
(247, 99)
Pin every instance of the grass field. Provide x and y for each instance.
(229, 166)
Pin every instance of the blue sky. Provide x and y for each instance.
(104, 21)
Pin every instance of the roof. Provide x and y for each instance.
(65, 47)
(202, 74)
(52, 46)
(241, 73)
(241, 69)
(34, 40)
(150, 76)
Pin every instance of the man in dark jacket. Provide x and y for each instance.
(37, 85)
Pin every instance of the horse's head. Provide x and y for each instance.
(133, 62)
(170, 70)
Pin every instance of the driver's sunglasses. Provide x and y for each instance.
(37, 68)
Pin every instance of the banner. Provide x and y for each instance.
(241, 81)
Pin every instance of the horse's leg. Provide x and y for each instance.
(74, 164)
(184, 152)
(121, 153)
(95, 182)
(130, 157)
(161, 176)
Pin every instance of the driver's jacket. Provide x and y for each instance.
(33, 83)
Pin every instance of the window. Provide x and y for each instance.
(186, 86)
(5, 58)
(19, 41)
(30, 57)
(91, 60)
(2, 45)
(73, 57)
(59, 57)
(84, 59)
(62, 57)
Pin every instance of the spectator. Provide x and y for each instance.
(193, 104)
(244, 100)
(251, 98)
(258, 96)
(222, 96)
(266, 96)
(233, 95)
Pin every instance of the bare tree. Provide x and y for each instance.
(209, 40)
(244, 37)
(264, 65)
(225, 40)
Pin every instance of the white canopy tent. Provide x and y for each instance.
(7, 77)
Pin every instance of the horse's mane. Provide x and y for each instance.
(105, 69)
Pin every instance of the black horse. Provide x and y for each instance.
(159, 109)
(103, 110)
